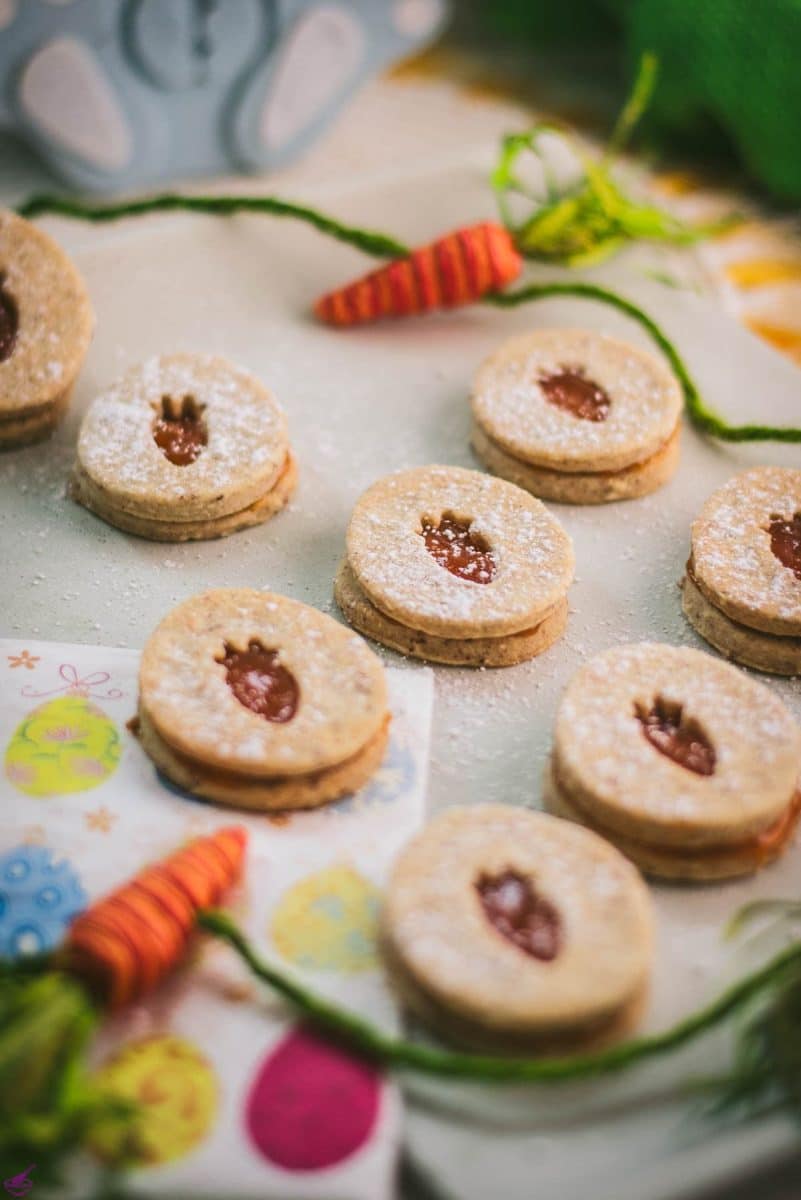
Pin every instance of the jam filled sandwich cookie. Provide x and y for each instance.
(46, 325)
(453, 566)
(508, 929)
(251, 699)
(577, 417)
(690, 767)
(184, 447)
(742, 589)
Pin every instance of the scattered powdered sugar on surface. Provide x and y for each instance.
(512, 408)
(340, 681)
(600, 744)
(731, 544)
(247, 437)
(389, 558)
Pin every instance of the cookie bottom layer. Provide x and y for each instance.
(491, 1036)
(769, 652)
(704, 865)
(266, 795)
(84, 492)
(361, 613)
(585, 487)
(35, 426)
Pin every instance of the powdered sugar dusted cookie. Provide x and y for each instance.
(742, 591)
(507, 928)
(250, 698)
(454, 566)
(576, 416)
(689, 766)
(45, 327)
(185, 446)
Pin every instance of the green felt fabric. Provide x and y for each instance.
(730, 71)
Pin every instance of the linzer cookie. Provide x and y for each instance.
(690, 767)
(250, 699)
(508, 929)
(577, 417)
(742, 588)
(455, 567)
(184, 447)
(45, 328)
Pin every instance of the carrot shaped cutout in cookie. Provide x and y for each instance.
(456, 269)
(126, 943)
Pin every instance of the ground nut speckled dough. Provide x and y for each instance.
(523, 435)
(121, 469)
(738, 593)
(475, 986)
(390, 563)
(622, 726)
(186, 702)
(47, 322)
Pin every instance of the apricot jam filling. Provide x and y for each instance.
(519, 914)
(179, 430)
(260, 682)
(453, 545)
(571, 390)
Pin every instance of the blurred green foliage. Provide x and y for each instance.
(730, 81)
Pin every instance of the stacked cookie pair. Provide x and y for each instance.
(685, 763)
(453, 566)
(184, 447)
(742, 587)
(46, 325)
(250, 699)
(577, 417)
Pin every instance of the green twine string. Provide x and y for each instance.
(371, 242)
(391, 1051)
(382, 245)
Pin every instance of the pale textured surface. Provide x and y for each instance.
(603, 759)
(55, 318)
(511, 407)
(732, 560)
(247, 440)
(436, 926)
(389, 558)
(343, 699)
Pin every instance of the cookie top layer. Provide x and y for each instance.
(333, 683)
(611, 405)
(517, 560)
(734, 540)
(245, 436)
(437, 925)
(45, 316)
(671, 746)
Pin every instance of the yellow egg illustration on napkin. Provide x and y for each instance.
(65, 745)
(328, 921)
(175, 1093)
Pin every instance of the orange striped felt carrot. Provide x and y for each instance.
(125, 944)
(456, 269)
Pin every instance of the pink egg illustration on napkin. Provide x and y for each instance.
(311, 1105)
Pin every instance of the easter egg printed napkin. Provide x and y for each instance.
(236, 1098)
